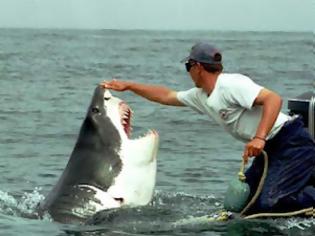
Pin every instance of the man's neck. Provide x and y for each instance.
(209, 82)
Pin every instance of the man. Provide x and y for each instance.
(250, 113)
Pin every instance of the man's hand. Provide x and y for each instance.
(115, 85)
(253, 148)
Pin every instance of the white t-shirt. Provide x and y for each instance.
(231, 105)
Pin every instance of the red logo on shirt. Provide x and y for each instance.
(223, 114)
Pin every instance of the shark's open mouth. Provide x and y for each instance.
(125, 118)
(106, 168)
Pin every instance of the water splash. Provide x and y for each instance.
(302, 224)
(8, 203)
(159, 217)
(24, 206)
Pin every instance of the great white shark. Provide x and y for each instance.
(107, 169)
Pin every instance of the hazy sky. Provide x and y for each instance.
(283, 15)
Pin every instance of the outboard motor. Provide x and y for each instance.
(304, 105)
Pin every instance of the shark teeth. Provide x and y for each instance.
(125, 116)
(148, 133)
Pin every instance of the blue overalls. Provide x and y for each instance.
(290, 182)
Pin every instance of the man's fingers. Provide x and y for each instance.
(114, 84)
(245, 156)
(245, 160)
(252, 149)
(107, 84)
(104, 84)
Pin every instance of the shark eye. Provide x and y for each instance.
(106, 98)
(95, 110)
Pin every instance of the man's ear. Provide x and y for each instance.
(200, 67)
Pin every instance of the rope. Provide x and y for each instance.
(308, 211)
(260, 185)
(311, 116)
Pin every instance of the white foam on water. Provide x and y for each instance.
(24, 206)
(8, 203)
(302, 224)
(29, 201)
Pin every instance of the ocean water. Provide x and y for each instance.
(47, 78)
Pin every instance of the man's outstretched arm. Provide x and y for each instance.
(153, 93)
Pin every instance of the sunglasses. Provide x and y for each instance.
(188, 65)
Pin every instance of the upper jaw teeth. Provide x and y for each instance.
(126, 115)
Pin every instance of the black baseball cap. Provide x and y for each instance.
(205, 53)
